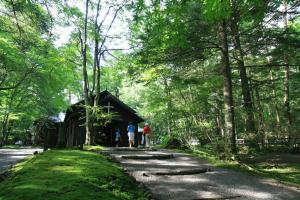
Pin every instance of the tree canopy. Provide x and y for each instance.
(198, 70)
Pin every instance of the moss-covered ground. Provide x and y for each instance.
(10, 146)
(288, 172)
(69, 174)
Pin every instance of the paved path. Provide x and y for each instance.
(9, 157)
(214, 184)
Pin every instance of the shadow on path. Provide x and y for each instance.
(9, 157)
(213, 184)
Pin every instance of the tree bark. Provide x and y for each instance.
(169, 106)
(274, 94)
(96, 69)
(227, 89)
(261, 127)
(85, 77)
(4, 129)
(219, 123)
(286, 72)
(7, 113)
(247, 100)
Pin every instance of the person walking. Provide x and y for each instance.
(118, 137)
(147, 132)
(131, 129)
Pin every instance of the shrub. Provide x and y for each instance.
(171, 142)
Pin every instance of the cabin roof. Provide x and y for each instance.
(106, 96)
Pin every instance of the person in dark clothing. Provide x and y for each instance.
(118, 137)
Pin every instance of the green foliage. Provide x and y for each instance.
(170, 142)
(216, 9)
(178, 68)
(69, 174)
(34, 74)
(98, 115)
(173, 78)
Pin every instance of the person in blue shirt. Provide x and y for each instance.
(131, 130)
(118, 137)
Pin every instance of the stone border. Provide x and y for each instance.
(133, 149)
(180, 172)
(220, 198)
(148, 157)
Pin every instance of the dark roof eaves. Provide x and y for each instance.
(107, 94)
(125, 106)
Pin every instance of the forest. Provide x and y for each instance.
(223, 74)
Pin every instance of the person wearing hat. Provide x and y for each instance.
(147, 132)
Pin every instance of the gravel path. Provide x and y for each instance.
(214, 184)
(9, 157)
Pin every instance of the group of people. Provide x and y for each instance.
(131, 135)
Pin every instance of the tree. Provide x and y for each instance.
(83, 43)
(228, 96)
(93, 29)
(33, 72)
(188, 32)
(247, 100)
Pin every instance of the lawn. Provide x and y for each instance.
(283, 172)
(289, 173)
(93, 147)
(69, 174)
(13, 146)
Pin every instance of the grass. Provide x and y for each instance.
(92, 147)
(288, 173)
(15, 146)
(69, 174)
(12, 146)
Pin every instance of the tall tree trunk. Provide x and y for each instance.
(96, 68)
(169, 106)
(2, 134)
(286, 72)
(85, 78)
(227, 89)
(97, 55)
(219, 123)
(4, 129)
(275, 95)
(261, 127)
(273, 86)
(247, 100)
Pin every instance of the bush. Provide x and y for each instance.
(171, 142)
(295, 150)
(279, 149)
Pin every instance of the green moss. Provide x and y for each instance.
(287, 173)
(92, 147)
(12, 146)
(69, 174)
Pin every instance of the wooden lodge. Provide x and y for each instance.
(102, 135)
(46, 132)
